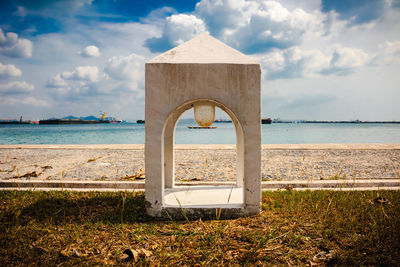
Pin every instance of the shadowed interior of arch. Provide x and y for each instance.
(191, 174)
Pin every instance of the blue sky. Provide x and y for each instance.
(320, 59)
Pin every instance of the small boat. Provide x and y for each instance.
(140, 121)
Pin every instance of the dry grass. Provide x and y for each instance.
(300, 228)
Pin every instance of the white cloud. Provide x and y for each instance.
(252, 27)
(130, 67)
(389, 53)
(16, 88)
(122, 75)
(296, 63)
(26, 101)
(13, 46)
(293, 63)
(255, 27)
(90, 51)
(9, 70)
(224, 14)
(345, 60)
(82, 73)
(177, 30)
(32, 101)
(272, 25)
(392, 48)
(82, 81)
(345, 57)
(56, 82)
(181, 28)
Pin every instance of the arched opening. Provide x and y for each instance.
(184, 195)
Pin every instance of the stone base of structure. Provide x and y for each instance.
(206, 202)
(169, 213)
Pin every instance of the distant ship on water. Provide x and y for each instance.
(9, 121)
(72, 121)
(82, 120)
(266, 121)
(66, 120)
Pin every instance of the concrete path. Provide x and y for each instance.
(374, 184)
(183, 146)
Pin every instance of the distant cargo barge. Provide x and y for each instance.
(266, 121)
(72, 121)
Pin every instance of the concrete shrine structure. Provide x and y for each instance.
(202, 73)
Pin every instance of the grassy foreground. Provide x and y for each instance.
(301, 228)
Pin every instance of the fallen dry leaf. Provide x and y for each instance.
(28, 175)
(146, 252)
(137, 176)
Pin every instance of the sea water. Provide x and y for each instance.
(132, 133)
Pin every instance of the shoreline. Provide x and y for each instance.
(199, 163)
(360, 146)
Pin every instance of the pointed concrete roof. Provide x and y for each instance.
(203, 49)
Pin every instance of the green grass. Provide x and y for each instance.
(295, 227)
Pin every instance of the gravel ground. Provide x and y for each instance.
(198, 164)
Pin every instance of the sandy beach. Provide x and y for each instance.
(199, 162)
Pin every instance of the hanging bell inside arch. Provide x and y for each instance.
(204, 113)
